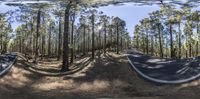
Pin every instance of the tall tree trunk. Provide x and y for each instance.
(147, 43)
(160, 42)
(197, 45)
(43, 47)
(72, 43)
(121, 42)
(197, 48)
(190, 45)
(88, 42)
(49, 43)
(99, 45)
(93, 50)
(179, 40)
(186, 53)
(1, 42)
(65, 66)
(143, 44)
(20, 43)
(117, 38)
(137, 42)
(84, 40)
(56, 46)
(37, 36)
(105, 32)
(31, 38)
(171, 42)
(111, 33)
(152, 45)
(190, 50)
(166, 48)
(75, 46)
(59, 39)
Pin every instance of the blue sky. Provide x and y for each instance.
(132, 14)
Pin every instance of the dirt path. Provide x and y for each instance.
(107, 77)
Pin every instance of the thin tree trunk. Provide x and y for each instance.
(143, 44)
(49, 42)
(197, 45)
(186, 53)
(117, 38)
(99, 45)
(43, 47)
(171, 42)
(84, 40)
(190, 50)
(1, 43)
(197, 48)
(59, 40)
(88, 42)
(179, 40)
(152, 45)
(111, 41)
(75, 48)
(104, 50)
(56, 46)
(31, 38)
(121, 42)
(20, 43)
(72, 43)
(160, 42)
(147, 43)
(93, 50)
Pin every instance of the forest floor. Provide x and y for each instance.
(108, 76)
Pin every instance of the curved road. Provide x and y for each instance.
(6, 62)
(167, 71)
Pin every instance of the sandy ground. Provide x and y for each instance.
(108, 76)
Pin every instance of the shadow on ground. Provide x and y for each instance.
(51, 67)
(108, 76)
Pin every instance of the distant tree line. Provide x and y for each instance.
(169, 33)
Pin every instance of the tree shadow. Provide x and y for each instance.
(104, 69)
(166, 69)
(52, 70)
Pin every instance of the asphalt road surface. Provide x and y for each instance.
(159, 70)
(6, 61)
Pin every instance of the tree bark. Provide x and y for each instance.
(59, 39)
(72, 43)
(84, 39)
(171, 42)
(31, 38)
(197, 45)
(121, 41)
(117, 39)
(37, 36)
(65, 66)
(179, 40)
(190, 50)
(88, 42)
(49, 42)
(147, 42)
(43, 47)
(93, 50)
(160, 42)
(111, 41)
(105, 32)
(152, 45)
